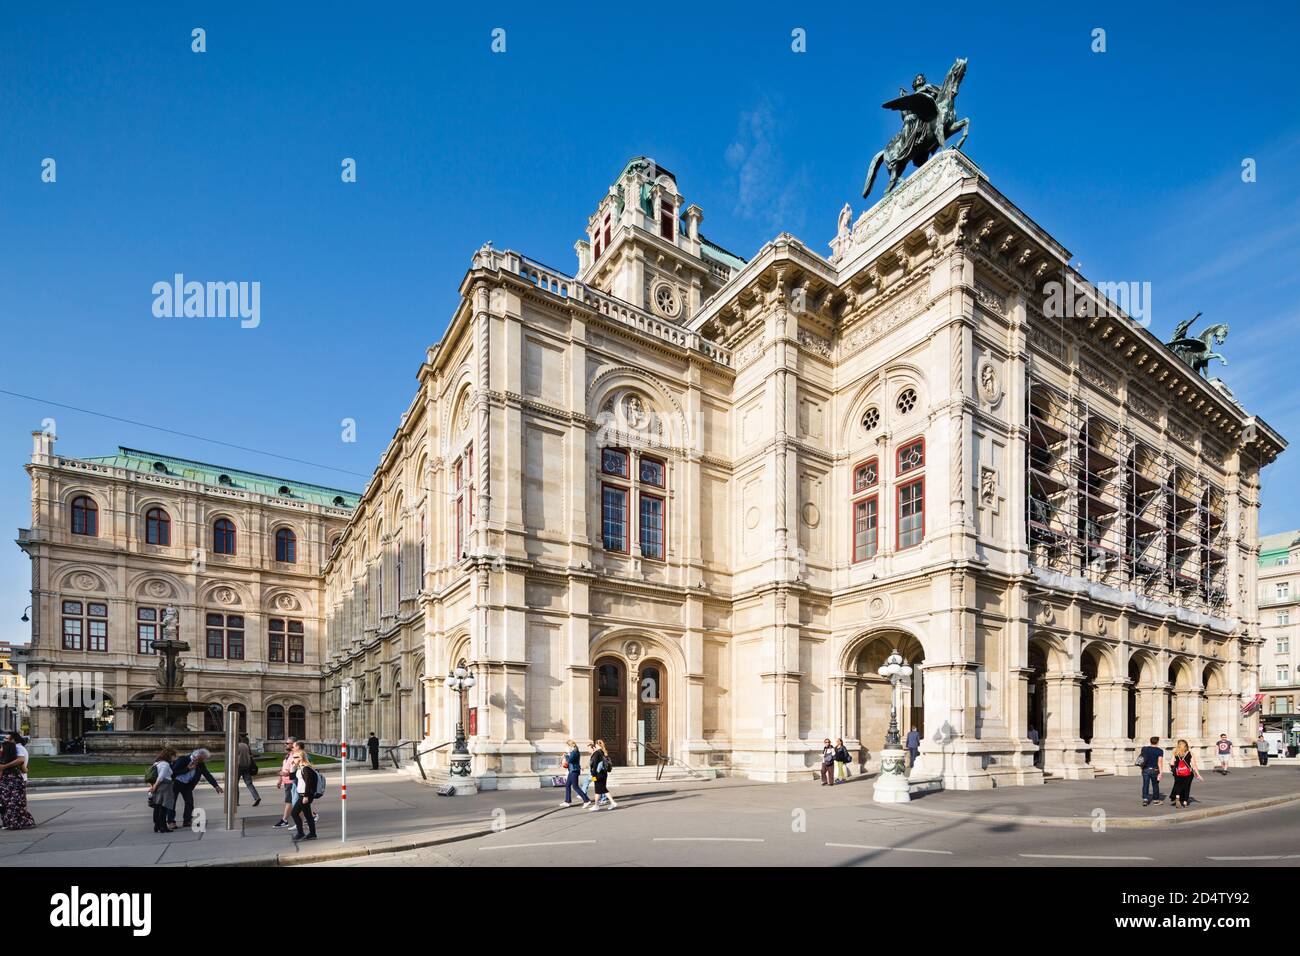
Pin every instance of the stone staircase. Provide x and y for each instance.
(625, 777)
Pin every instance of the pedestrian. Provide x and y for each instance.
(828, 763)
(600, 767)
(286, 782)
(1184, 767)
(300, 747)
(162, 791)
(372, 745)
(1261, 746)
(186, 773)
(1152, 761)
(14, 814)
(572, 779)
(307, 777)
(842, 760)
(20, 742)
(246, 766)
(1224, 750)
(913, 746)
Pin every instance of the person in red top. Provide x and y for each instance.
(286, 782)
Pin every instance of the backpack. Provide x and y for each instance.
(151, 775)
(319, 790)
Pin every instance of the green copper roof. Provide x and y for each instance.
(1273, 547)
(219, 477)
(711, 250)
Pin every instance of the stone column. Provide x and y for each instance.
(1111, 749)
(1063, 747)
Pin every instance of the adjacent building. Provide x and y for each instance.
(115, 539)
(688, 503)
(1279, 611)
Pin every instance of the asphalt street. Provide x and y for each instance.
(806, 825)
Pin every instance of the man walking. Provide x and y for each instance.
(1224, 750)
(913, 746)
(1261, 746)
(372, 745)
(1153, 764)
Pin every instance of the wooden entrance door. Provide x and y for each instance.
(652, 709)
(609, 709)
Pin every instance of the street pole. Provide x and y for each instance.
(232, 769)
(343, 750)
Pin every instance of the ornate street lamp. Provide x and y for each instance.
(459, 681)
(891, 783)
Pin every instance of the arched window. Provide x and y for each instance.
(240, 711)
(85, 516)
(157, 527)
(298, 721)
(286, 546)
(223, 536)
(275, 722)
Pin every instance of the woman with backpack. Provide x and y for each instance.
(1184, 768)
(599, 766)
(842, 760)
(14, 814)
(308, 779)
(162, 793)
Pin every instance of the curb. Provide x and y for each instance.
(1130, 823)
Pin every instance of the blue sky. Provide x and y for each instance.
(225, 166)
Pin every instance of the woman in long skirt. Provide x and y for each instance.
(13, 789)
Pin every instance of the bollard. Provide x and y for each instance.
(232, 768)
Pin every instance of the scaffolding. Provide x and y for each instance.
(1107, 507)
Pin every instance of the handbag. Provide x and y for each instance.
(252, 768)
(565, 763)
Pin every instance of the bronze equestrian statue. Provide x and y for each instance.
(929, 118)
(1197, 351)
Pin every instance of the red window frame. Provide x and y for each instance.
(853, 528)
(157, 527)
(667, 219)
(626, 473)
(627, 536)
(663, 471)
(663, 526)
(898, 457)
(223, 537)
(853, 478)
(85, 516)
(898, 513)
(286, 546)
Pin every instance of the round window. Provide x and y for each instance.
(906, 400)
(871, 419)
(666, 300)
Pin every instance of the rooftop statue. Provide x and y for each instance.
(929, 118)
(1197, 351)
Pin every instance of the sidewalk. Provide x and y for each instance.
(387, 812)
(1077, 802)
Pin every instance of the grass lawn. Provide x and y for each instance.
(47, 767)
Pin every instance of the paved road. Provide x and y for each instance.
(805, 824)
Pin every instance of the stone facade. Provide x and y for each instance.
(115, 539)
(689, 503)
